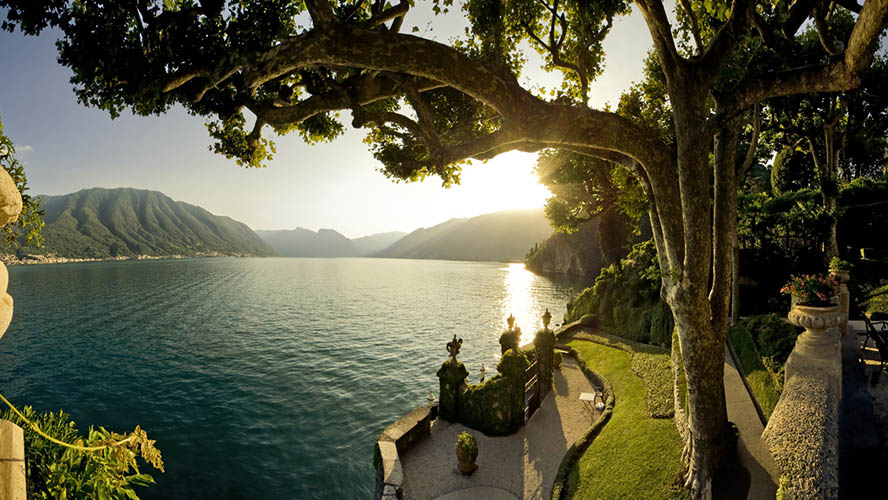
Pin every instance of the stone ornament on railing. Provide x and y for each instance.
(511, 337)
(453, 348)
(452, 382)
(817, 348)
(815, 318)
(547, 317)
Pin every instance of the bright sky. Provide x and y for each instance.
(66, 147)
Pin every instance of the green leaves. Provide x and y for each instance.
(28, 229)
(233, 142)
(56, 472)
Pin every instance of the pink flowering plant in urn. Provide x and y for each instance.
(813, 290)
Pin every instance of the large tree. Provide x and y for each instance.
(429, 107)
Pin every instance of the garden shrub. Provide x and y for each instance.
(774, 337)
(762, 344)
(877, 303)
(626, 299)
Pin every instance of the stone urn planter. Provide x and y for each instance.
(466, 452)
(817, 350)
(816, 321)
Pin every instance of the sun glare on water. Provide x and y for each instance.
(520, 302)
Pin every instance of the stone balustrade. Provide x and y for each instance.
(393, 442)
(803, 431)
(12, 443)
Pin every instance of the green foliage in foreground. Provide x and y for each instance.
(763, 344)
(626, 299)
(634, 456)
(56, 472)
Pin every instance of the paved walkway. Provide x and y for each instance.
(520, 466)
(861, 456)
(754, 454)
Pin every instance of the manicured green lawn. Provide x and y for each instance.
(634, 456)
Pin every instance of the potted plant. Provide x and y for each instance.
(840, 269)
(815, 308)
(556, 360)
(466, 452)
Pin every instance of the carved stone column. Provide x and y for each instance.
(844, 297)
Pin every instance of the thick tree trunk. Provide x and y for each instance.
(701, 344)
(703, 359)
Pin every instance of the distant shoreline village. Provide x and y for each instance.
(12, 260)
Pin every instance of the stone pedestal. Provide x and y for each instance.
(818, 348)
(12, 461)
(844, 297)
(452, 376)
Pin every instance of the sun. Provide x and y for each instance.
(506, 182)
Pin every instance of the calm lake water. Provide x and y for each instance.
(259, 378)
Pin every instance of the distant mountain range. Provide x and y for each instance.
(103, 223)
(301, 242)
(500, 236)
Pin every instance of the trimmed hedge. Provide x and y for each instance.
(651, 364)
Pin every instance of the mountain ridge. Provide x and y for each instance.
(98, 223)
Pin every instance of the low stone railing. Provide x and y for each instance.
(803, 431)
(393, 442)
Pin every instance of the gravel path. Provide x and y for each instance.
(521, 466)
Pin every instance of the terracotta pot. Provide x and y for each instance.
(816, 321)
(466, 464)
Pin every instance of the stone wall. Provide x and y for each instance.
(803, 432)
(393, 442)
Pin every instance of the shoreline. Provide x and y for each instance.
(28, 260)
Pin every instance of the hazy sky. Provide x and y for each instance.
(66, 147)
